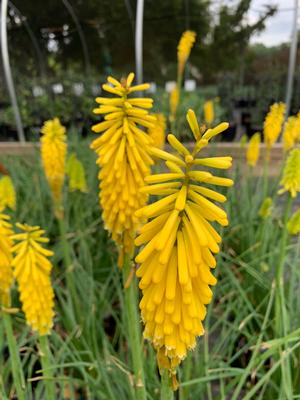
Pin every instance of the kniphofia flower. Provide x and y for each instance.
(158, 132)
(209, 114)
(293, 224)
(174, 101)
(291, 174)
(53, 152)
(179, 245)
(273, 124)
(253, 150)
(289, 135)
(123, 158)
(184, 48)
(266, 208)
(76, 174)
(6, 274)
(7, 193)
(243, 140)
(297, 127)
(32, 271)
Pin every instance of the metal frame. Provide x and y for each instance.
(7, 71)
(85, 50)
(292, 60)
(139, 41)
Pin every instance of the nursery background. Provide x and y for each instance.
(149, 199)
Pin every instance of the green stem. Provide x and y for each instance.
(294, 277)
(133, 323)
(281, 323)
(16, 365)
(266, 173)
(281, 315)
(45, 355)
(73, 298)
(187, 371)
(166, 391)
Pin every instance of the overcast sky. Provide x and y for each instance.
(279, 27)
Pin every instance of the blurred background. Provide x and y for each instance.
(61, 51)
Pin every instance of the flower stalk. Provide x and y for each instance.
(45, 356)
(133, 324)
(166, 390)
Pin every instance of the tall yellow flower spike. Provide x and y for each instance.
(53, 152)
(289, 136)
(253, 150)
(123, 158)
(291, 174)
(209, 113)
(266, 208)
(179, 242)
(174, 101)
(297, 127)
(293, 224)
(76, 174)
(6, 274)
(273, 124)
(158, 132)
(7, 193)
(32, 271)
(184, 48)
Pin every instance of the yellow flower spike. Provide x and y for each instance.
(293, 224)
(266, 208)
(244, 140)
(184, 48)
(53, 152)
(291, 174)
(253, 150)
(209, 114)
(273, 124)
(32, 269)
(289, 135)
(297, 127)
(76, 174)
(6, 244)
(174, 101)
(158, 132)
(7, 193)
(179, 242)
(124, 159)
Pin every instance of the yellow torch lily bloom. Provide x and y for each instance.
(6, 273)
(174, 101)
(293, 224)
(123, 158)
(266, 208)
(178, 244)
(53, 152)
(243, 141)
(7, 193)
(253, 150)
(32, 271)
(297, 127)
(291, 174)
(76, 174)
(289, 136)
(184, 48)
(158, 132)
(273, 124)
(209, 113)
